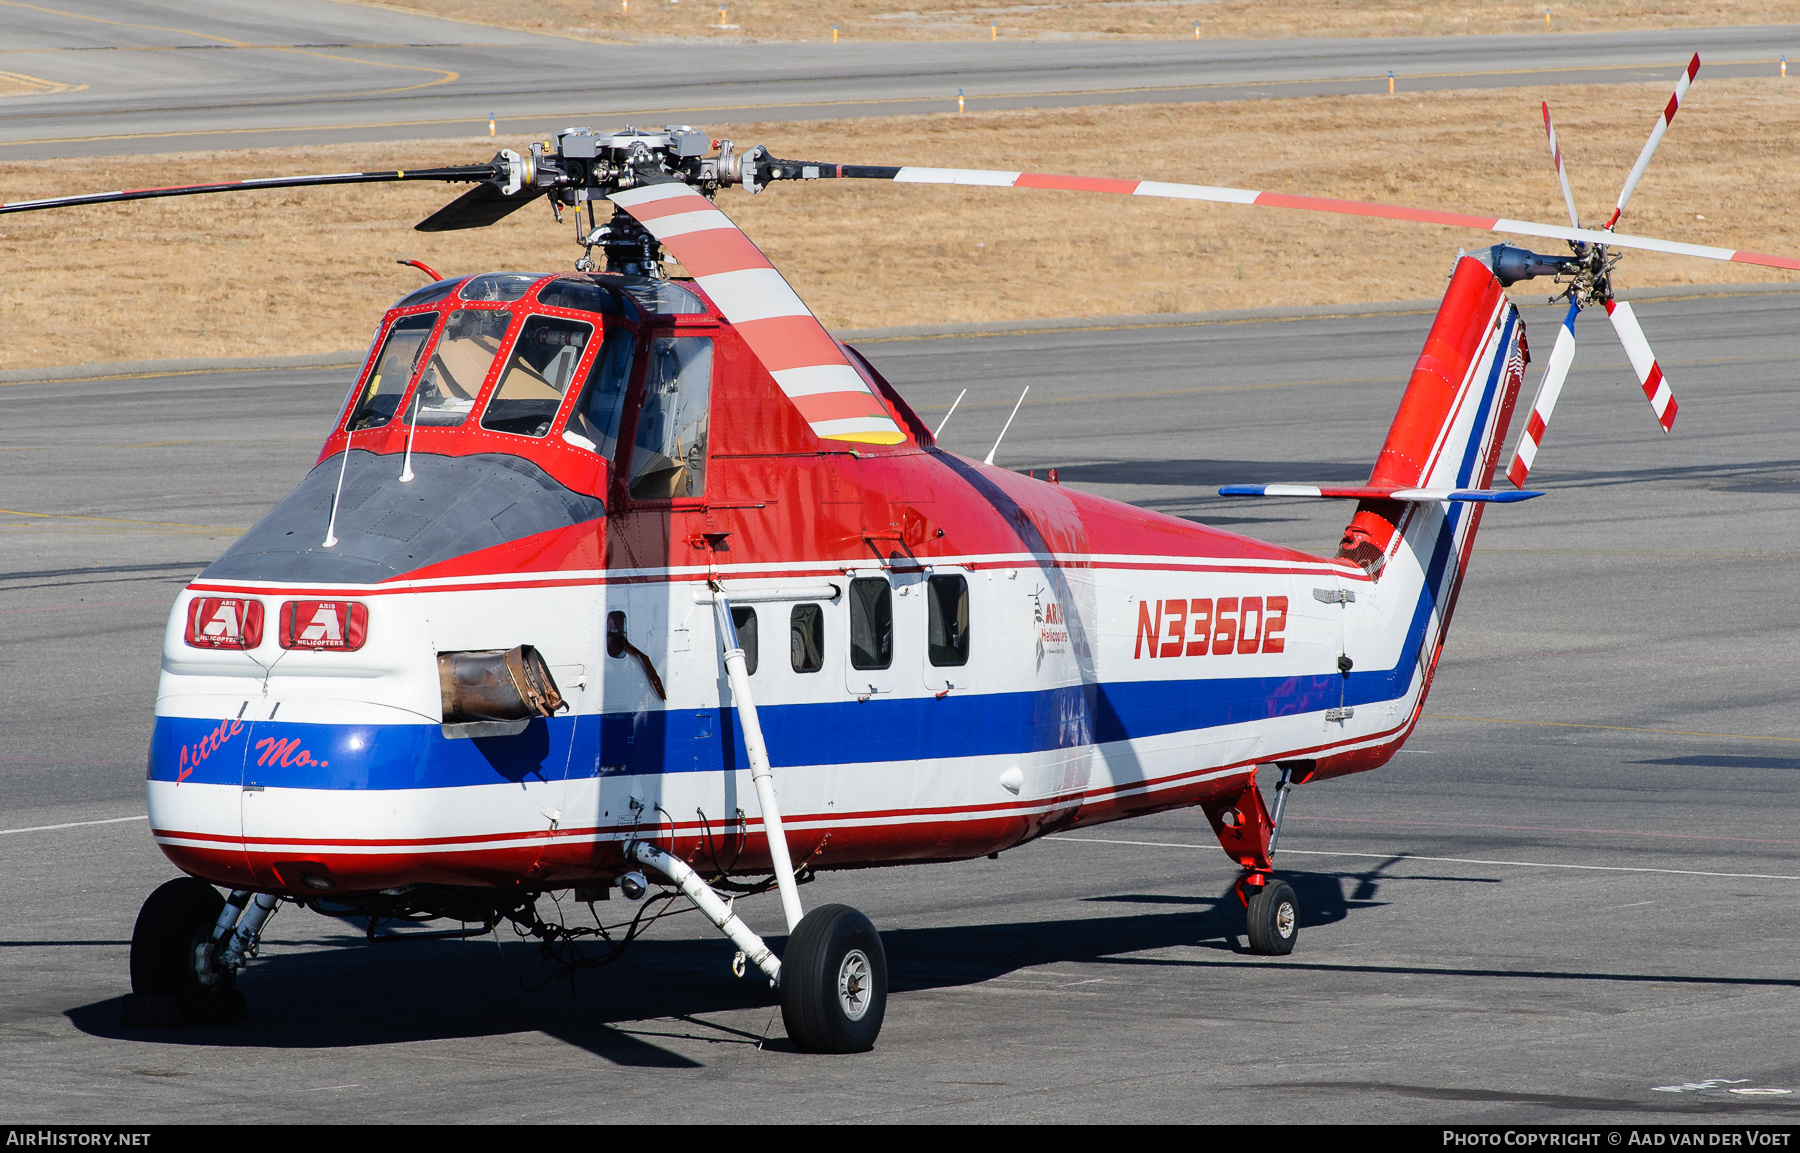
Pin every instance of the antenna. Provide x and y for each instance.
(940, 428)
(331, 525)
(406, 473)
(989, 459)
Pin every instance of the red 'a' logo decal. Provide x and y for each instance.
(225, 623)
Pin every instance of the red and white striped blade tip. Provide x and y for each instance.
(1643, 362)
(805, 361)
(1531, 437)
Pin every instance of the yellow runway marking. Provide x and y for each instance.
(119, 520)
(1613, 728)
(922, 98)
(39, 86)
(444, 75)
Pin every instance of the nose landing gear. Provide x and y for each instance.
(186, 950)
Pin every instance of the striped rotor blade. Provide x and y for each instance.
(1532, 436)
(1643, 362)
(783, 333)
(1158, 188)
(463, 173)
(1656, 135)
(1562, 177)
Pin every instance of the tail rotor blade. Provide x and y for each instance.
(1562, 177)
(783, 333)
(1561, 356)
(1656, 135)
(1643, 362)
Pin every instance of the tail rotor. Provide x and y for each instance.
(1590, 284)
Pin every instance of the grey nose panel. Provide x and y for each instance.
(453, 505)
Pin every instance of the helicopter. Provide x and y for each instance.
(504, 640)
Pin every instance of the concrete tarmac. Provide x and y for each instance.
(158, 76)
(1572, 897)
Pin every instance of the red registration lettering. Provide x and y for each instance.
(1201, 610)
(1248, 641)
(1175, 616)
(1274, 624)
(1225, 626)
(1147, 629)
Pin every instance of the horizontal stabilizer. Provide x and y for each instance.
(1363, 492)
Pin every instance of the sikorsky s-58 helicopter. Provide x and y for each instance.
(505, 639)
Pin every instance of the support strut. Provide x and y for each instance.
(708, 902)
(738, 676)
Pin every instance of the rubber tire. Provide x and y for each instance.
(810, 1008)
(1273, 906)
(172, 923)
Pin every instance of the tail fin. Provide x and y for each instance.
(1448, 434)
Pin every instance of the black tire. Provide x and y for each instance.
(1273, 918)
(171, 928)
(833, 945)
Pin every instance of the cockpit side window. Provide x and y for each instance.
(668, 459)
(594, 423)
(538, 377)
(460, 362)
(393, 371)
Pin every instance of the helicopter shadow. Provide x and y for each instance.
(338, 991)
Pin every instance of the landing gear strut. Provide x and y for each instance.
(1248, 832)
(187, 949)
(833, 973)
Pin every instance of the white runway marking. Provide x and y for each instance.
(75, 824)
(1451, 860)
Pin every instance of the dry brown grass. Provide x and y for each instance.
(311, 270)
(1118, 19)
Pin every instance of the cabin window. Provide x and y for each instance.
(581, 295)
(393, 371)
(668, 460)
(806, 638)
(947, 637)
(459, 364)
(538, 376)
(594, 424)
(744, 621)
(871, 623)
(500, 286)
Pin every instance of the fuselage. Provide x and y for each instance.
(948, 658)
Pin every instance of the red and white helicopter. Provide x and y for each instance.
(505, 639)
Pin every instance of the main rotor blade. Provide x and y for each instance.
(1643, 362)
(783, 333)
(1656, 135)
(793, 170)
(1532, 435)
(1562, 177)
(477, 208)
(460, 173)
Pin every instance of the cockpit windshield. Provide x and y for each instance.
(459, 364)
(393, 371)
(543, 364)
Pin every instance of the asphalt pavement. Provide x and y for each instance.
(157, 76)
(1571, 898)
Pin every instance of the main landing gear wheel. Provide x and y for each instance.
(834, 982)
(1273, 916)
(172, 953)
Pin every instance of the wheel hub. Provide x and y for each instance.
(1284, 919)
(854, 982)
